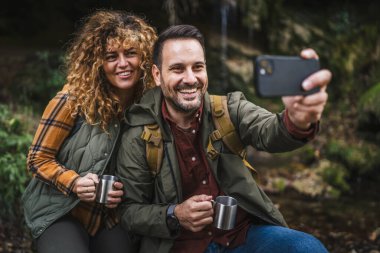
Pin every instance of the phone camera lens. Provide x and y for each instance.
(265, 67)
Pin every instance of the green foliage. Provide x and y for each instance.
(360, 159)
(13, 174)
(347, 39)
(279, 184)
(351, 59)
(307, 154)
(254, 11)
(370, 102)
(335, 175)
(369, 114)
(39, 79)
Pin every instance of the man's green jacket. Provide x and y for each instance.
(147, 196)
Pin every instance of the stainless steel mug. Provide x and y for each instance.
(225, 212)
(104, 187)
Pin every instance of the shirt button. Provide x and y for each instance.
(204, 182)
(228, 244)
(105, 154)
(116, 125)
(209, 233)
(193, 158)
(197, 115)
(193, 131)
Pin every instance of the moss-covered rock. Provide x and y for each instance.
(360, 159)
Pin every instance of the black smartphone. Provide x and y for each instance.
(277, 76)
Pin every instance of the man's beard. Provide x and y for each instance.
(184, 107)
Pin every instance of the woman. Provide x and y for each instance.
(108, 67)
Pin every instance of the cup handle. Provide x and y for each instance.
(213, 202)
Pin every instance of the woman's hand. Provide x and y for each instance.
(115, 196)
(85, 187)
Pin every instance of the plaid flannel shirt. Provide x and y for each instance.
(53, 129)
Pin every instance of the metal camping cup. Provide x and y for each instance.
(104, 187)
(225, 212)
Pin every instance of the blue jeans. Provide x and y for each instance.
(273, 239)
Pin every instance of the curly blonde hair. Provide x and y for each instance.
(91, 93)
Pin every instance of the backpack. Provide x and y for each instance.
(224, 131)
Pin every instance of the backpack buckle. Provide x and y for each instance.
(216, 135)
(212, 154)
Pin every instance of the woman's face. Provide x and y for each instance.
(121, 66)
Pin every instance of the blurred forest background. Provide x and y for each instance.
(329, 188)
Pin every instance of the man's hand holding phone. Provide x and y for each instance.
(305, 110)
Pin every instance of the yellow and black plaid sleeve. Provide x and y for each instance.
(53, 129)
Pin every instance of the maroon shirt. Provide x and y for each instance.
(197, 178)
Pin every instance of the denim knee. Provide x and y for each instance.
(300, 242)
(276, 239)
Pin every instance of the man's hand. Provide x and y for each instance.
(305, 110)
(195, 213)
(85, 187)
(114, 196)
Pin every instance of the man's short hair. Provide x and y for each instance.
(175, 32)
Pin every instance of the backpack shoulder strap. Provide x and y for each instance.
(225, 131)
(154, 147)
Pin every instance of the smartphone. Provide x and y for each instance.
(277, 76)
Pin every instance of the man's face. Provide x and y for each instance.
(183, 75)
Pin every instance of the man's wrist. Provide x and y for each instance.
(172, 221)
(297, 132)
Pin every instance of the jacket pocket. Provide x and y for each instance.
(43, 205)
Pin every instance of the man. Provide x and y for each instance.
(171, 209)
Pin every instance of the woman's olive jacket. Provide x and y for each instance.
(147, 196)
(88, 150)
